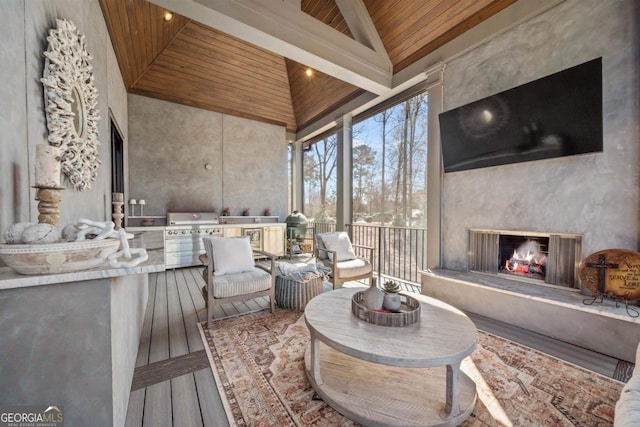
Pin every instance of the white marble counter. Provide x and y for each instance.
(150, 238)
(9, 279)
(145, 228)
(148, 228)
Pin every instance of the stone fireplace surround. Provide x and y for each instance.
(556, 309)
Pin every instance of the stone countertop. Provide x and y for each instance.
(138, 229)
(9, 279)
(145, 228)
(150, 238)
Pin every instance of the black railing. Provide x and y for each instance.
(400, 253)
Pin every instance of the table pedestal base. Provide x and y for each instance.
(379, 395)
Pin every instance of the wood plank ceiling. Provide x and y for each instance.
(189, 63)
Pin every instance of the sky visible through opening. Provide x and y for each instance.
(394, 141)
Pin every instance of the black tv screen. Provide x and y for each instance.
(557, 115)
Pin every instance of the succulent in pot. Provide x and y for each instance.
(392, 301)
(391, 287)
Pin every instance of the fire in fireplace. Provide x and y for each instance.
(523, 256)
(548, 258)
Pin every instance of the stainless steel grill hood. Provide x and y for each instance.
(191, 218)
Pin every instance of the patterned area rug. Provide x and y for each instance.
(258, 362)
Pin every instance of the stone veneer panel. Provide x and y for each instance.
(171, 143)
(255, 167)
(593, 194)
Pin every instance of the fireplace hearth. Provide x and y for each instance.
(542, 258)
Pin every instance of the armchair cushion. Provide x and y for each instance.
(244, 283)
(321, 250)
(353, 268)
(232, 255)
(340, 243)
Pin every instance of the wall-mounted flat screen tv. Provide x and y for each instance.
(557, 115)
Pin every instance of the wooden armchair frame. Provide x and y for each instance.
(336, 280)
(212, 303)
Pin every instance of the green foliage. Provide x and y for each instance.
(391, 287)
(324, 217)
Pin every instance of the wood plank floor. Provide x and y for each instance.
(173, 384)
(170, 332)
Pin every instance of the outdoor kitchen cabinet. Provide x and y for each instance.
(232, 231)
(266, 237)
(274, 239)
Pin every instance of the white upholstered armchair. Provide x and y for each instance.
(232, 274)
(335, 251)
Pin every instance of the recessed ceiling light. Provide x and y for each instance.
(168, 16)
(309, 72)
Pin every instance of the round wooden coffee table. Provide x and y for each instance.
(387, 376)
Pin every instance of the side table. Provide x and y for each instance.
(295, 294)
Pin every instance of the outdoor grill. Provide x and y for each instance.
(296, 225)
(183, 236)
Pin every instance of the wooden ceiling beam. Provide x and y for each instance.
(289, 32)
(357, 16)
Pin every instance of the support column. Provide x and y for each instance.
(344, 200)
(434, 169)
(297, 179)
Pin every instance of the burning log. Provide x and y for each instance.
(530, 263)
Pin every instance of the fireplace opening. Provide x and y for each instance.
(523, 256)
(536, 257)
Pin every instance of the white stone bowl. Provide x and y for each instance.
(53, 258)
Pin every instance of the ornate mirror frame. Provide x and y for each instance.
(70, 104)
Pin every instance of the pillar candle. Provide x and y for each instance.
(117, 197)
(47, 169)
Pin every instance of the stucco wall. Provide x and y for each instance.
(594, 194)
(24, 28)
(170, 144)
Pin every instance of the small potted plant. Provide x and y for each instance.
(392, 301)
(245, 212)
(226, 211)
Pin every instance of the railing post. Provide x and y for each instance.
(379, 252)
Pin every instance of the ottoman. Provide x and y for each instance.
(294, 294)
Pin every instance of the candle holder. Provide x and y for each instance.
(117, 200)
(132, 210)
(48, 209)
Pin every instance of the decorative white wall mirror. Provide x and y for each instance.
(70, 104)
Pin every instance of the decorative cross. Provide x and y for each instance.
(602, 266)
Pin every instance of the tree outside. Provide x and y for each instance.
(389, 169)
(395, 193)
(319, 171)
